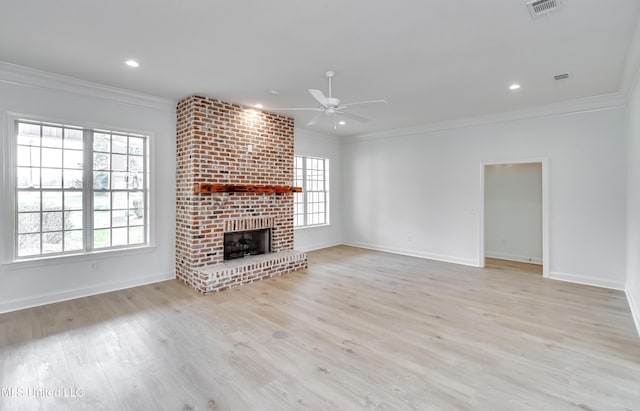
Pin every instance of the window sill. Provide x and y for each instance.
(77, 258)
(306, 227)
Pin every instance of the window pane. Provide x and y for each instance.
(119, 162)
(28, 201)
(51, 136)
(28, 177)
(51, 157)
(119, 180)
(135, 163)
(29, 156)
(119, 236)
(101, 180)
(52, 221)
(136, 145)
(29, 134)
(101, 161)
(28, 223)
(73, 159)
(73, 178)
(28, 244)
(136, 200)
(72, 200)
(102, 238)
(118, 219)
(73, 240)
(52, 242)
(135, 181)
(136, 235)
(119, 144)
(52, 200)
(136, 217)
(51, 178)
(101, 142)
(101, 201)
(101, 219)
(73, 139)
(73, 220)
(120, 200)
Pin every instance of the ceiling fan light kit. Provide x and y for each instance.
(330, 105)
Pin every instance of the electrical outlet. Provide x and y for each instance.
(93, 266)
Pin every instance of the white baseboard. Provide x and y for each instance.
(635, 309)
(581, 279)
(513, 257)
(413, 253)
(318, 246)
(23, 303)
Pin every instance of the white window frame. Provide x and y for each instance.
(304, 193)
(9, 189)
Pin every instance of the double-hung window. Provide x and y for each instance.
(78, 190)
(311, 207)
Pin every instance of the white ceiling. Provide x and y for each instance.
(432, 60)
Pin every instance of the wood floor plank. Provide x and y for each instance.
(358, 330)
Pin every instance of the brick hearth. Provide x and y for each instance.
(222, 143)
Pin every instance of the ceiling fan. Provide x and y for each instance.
(330, 105)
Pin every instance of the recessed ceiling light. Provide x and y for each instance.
(514, 86)
(259, 105)
(342, 123)
(132, 63)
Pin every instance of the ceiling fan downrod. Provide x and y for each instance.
(329, 75)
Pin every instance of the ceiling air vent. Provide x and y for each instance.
(562, 76)
(538, 8)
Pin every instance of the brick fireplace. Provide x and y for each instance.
(227, 144)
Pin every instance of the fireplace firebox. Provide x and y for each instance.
(245, 243)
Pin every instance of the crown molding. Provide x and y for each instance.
(29, 77)
(631, 72)
(583, 105)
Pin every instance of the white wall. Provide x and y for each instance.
(317, 145)
(420, 193)
(513, 212)
(633, 207)
(41, 95)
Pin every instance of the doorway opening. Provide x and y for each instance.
(514, 217)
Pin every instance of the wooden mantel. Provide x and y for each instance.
(243, 188)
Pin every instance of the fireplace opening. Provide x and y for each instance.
(244, 243)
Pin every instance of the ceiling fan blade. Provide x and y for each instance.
(297, 109)
(353, 116)
(315, 119)
(365, 102)
(319, 95)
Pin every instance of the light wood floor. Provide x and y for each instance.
(363, 330)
